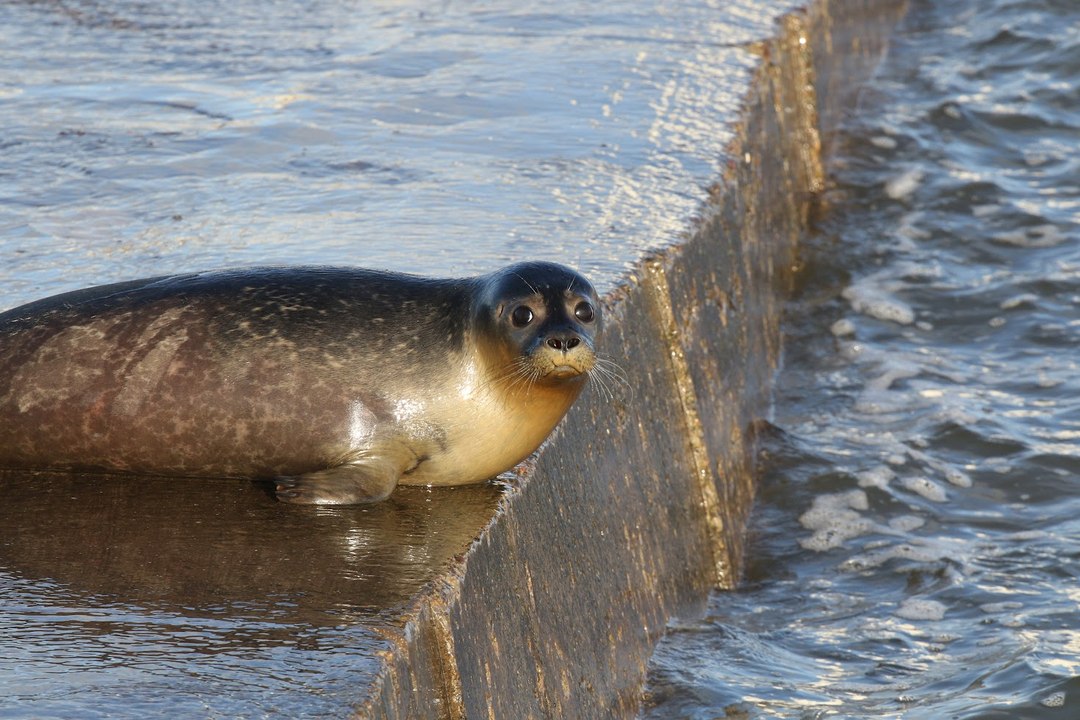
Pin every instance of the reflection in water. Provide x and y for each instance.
(208, 543)
(111, 586)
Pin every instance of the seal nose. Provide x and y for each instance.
(568, 342)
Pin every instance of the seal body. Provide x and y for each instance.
(337, 382)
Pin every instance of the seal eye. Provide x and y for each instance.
(521, 316)
(584, 312)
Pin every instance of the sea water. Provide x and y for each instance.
(916, 543)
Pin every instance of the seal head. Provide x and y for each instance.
(542, 320)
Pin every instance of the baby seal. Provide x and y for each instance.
(338, 383)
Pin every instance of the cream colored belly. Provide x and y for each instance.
(491, 439)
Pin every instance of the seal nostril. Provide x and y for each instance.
(563, 344)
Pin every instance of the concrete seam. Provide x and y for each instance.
(809, 134)
(659, 295)
(444, 660)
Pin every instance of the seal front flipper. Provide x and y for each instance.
(364, 481)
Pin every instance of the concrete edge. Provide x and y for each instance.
(636, 506)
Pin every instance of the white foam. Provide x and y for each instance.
(1053, 700)
(909, 230)
(884, 142)
(984, 210)
(954, 475)
(920, 271)
(902, 185)
(1035, 159)
(869, 298)
(893, 370)
(1038, 236)
(842, 328)
(834, 519)
(904, 551)
(925, 487)
(959, 478)
(878, 477)
(880, 404)
(1026, 536)
(906, 523)
(1018, 300)
(1045, 381)
(920, 609)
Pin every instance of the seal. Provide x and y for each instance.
(338, 383)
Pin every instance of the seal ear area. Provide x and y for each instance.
(541, 278)
(543, 287)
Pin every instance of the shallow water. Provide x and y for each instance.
(916, 545)
(439, 138)
(123, 596)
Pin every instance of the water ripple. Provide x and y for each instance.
(917, 538)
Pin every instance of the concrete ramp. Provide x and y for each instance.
(636, 507)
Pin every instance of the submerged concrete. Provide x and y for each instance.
(636, 507)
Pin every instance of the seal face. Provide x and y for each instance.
(339, 383)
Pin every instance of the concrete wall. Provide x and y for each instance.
(636, 507)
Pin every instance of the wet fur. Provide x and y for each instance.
(357, 377)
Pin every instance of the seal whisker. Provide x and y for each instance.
(610, 375)
(520, 373)
(600, 382)
(612, 367)
(523, 378)
(528, 284)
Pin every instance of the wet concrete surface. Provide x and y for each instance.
(445, 139)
